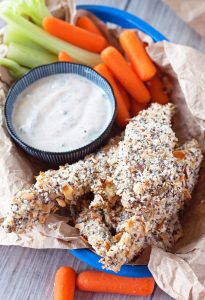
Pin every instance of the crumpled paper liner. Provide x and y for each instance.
(185, 66)
(55, 233)
(62, 9)
(191, 11)
(181, 275)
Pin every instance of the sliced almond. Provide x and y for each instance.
(68, 192)
(107, 246)
(28, 196)
(129, 226)
(179, 154)
(61, 202)
(118, 236)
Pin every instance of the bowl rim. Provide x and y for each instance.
(9, 122)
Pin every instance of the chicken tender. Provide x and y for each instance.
(58, 188)
(153, 177)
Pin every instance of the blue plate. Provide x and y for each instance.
(126, 20)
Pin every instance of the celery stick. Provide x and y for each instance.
(12, 35)
(50, 42)
(16, 70)
(34, 9)
(28, 57)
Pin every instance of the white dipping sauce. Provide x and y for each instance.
(61, 112)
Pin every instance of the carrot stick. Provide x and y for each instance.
(137, 55)
(96, 281)
(135, 108)
(63, 56)
(86, 23)
(74, 35)
(124, 95)
(122, 71)
(64, 284)
(122, 113)
(156, 89)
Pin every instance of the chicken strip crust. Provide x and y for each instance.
(154, 178)
(58, 188)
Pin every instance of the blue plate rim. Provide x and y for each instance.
(86, 255)
(133, 20)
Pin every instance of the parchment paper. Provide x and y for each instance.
(181, 275)
(64, 9)
(191, 11)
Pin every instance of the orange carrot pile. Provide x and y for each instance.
(63, 56)
(96, 281)
(122, 71)
(133, 78)
(64, 284)
(122, 113)
(156, 89)
(137, 55)
(86, 23)
(74, 34)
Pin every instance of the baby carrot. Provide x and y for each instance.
(137, 55)
(156, 89)
(86, 23)
(135, 108)
(122, 71)
(122, 113)
(64, 284)
(96, 281)
(63, 56)
(74, 35)
(124, 95)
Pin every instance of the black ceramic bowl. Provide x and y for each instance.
(57, 158)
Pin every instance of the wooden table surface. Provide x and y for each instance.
(28, 274)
